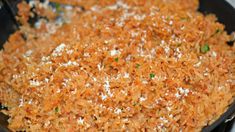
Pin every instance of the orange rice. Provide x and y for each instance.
(133, 65)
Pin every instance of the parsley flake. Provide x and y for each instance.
(151, 75)
(217, 31)
(137, 66)
(57, 109)
(116, 59)
(205, 48)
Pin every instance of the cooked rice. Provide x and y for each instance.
(128, 65)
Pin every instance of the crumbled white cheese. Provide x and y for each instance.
(66, 82)
(69, 63)
(123, 5)
(21, 102)
(117, 111)
(164, 119)
(114, 52)
(142, 99)
(58, 90)
(183, 91)
(94, 79)
(80, 121)
(167, 49)
(171, 22)
(100, 67)
(46, 80)
(197, 64)
(28, 53)
(45, 59)
(139, 17)
(34, 83)
(69, 52)
(214, 54)
(177, 53)
(87, 85)
(126, 75)
(30, 101)
(107, 87)
(145, 82)
(86, 54)
(177, 95)
(95, 8)
(58, 50)
(15, 76)
(134, 34)
(103, 96)
(168, 108)
(128, 58)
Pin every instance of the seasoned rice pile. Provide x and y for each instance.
(133, 65)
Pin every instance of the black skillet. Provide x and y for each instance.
(223, 10)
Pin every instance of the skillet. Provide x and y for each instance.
(223, 10)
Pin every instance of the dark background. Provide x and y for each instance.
(224, 12)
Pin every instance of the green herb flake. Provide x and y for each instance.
(218, 31)
(57, 109)
(205, 48)
(184, 19)
(116, 59)
(57, 6)
(168, 18)
(135, 104)
(137, 66)
(151, 75)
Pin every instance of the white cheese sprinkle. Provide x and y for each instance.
(214, 54)
(21, 102)
(70, 63)
(107, 87)
(58, 50)
(28, 53)
(177, 95)
(34, 83)
(103, 96)
(80, 121)
(164, 119)
(100, 67)
(139, 17)
(126, 75)
(117, 111)
(197, 64)
(183, 91)
(114, 52)
(142, 99)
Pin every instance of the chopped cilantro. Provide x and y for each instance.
(137, 66)
(57, 6)
(217, 31)
(184, 19)
(168, 18)
(116, 59)
(135, 104)
(205, 48)
(56, 109)
(151, 75)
